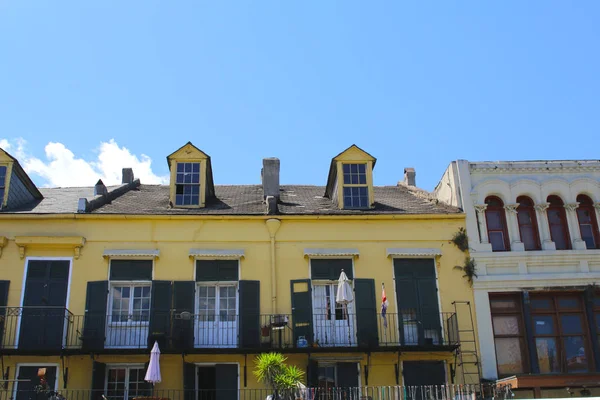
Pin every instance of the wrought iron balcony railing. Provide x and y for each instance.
(54, 328)
(427, 392)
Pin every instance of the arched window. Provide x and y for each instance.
(557, 220)
(588, 225)
(496, 224)
(528, 224)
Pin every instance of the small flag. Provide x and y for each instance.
(384, 306)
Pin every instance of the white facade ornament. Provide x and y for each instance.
(480, 208)
(511, 208)
(571, 206)
(542, 217)
(541, 207)
(513, 227)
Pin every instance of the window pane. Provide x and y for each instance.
(509, 356)
(575, 354)
(541, 303)
(571, 324)
(506, 325)
(543, 325)
(497, 241)
(504, 303)
(568, 302)
(547, 355)
(528, 237)
(494, 220)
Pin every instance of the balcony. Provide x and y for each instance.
(38, 330)
(437, 392)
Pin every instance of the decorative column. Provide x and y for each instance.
(513, 227)
(542, 217)
(483, 234)
(573, 225)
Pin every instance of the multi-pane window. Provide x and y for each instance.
(187, 184)
(560, 333)
(588, 225)
(2, 183)
(509, 333)
(217, 300)
(127, 382)
(356, 190)
(496, 224)
(528, 224)
(557, 220)
(130, 303)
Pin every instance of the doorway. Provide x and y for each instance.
(28, 380)
(217, 381)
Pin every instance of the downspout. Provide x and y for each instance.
(273, 226)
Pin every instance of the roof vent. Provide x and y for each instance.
(270, 177)
(127, 176)
(410, 177)
(100, 189)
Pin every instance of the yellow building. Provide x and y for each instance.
(92, 277)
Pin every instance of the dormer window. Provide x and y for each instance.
(350, 182)
(356, 190)
(2, 184)
(187, 186)
(191, 177)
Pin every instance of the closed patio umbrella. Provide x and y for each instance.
(345, 296)
(153, 372)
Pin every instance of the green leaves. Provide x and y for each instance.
(272, 371)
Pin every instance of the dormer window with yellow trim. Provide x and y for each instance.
(191, 177)
(350, 182)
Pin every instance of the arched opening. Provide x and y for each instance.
(557, 221)
(588, 224)
(495, 217)
(528, 224)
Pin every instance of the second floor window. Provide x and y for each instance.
(509, 335)
(356, 190)
(588, 225)
(187, 184)
(528, 224)
(130, 303)
(557, 220)
(2, 184)
(496, 224)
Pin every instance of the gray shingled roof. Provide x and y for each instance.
(239, 200)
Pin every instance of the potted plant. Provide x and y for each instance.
(284, 380)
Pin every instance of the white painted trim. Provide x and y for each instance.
(216, 284)
(42, 364)
(217, 253)
(325, 252)
(25, 270)
(123, 365)
(414, 252)
(537, 254)
(516, 281)
(125, 254)
(485, 332)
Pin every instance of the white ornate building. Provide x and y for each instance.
(533, 234)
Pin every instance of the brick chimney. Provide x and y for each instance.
(100, 189)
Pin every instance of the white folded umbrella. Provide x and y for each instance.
(153, 372)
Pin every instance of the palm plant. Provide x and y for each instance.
(272, 370)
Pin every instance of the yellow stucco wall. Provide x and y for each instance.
(174, 237)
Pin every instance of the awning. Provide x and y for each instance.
(217, 253)
(414, 252)
(331, 252)
(126, 253)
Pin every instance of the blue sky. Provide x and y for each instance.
(414, 83)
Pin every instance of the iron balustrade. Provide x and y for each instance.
(55, 328)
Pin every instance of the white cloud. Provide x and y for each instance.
(63, 168)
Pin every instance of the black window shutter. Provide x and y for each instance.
(95, 315)
(98, 379)
(131, 270)
(366, 312)
(4, 285)
(217, 270)
(227, 381)
(429, 376)
(189, 381)
(160, 314)
(249, 306)
(183, 314)
(347, 374)
(429, 309)
(330, 269)
(302, 318)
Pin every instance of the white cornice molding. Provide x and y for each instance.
(543, 255)
(516, 281)
(537, 167)
(131, 253)
(325, 252)
(413, 252)
(217, 253)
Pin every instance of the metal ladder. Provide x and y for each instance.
(467, 356)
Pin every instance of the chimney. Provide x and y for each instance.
(270, 177)
(100, 189)
(410, 177)
(127, 176)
